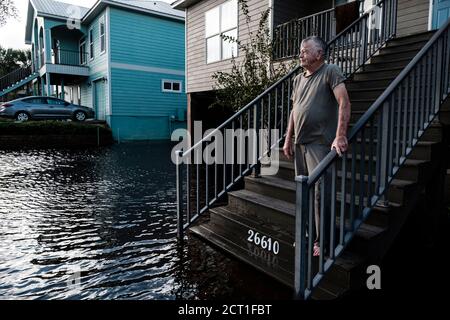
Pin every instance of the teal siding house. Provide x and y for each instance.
(123, 58)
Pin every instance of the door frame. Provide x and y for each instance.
(430, 16)
(94, 96)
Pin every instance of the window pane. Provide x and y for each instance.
(229, 15)
(212, 22)
(213, 49)
(229, 48)
(167, 86)
(102, 43)
(176, 86)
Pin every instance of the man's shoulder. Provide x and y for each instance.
(333, 68)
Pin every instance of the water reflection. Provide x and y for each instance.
(110, 215)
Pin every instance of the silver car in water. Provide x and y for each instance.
(41, 107)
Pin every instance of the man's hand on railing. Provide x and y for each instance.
(287, 148)
(340, 143)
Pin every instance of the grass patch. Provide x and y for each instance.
(50, 127)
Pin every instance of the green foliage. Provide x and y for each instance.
(11, 59)
(50, 127)
(255, 71)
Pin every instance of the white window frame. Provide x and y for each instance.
(171, 85)
(79, 95)
(82, 43)
(91, 43)
(221, 32)
(100, 22)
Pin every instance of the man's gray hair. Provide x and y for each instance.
(320, 44)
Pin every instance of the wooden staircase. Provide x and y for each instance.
(16, 79)
(257, 225)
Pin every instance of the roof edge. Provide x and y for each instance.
(112, 3)
(183, 4)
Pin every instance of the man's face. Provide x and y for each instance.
(309, 54)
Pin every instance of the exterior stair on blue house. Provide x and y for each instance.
(16, 79)
(396, 164)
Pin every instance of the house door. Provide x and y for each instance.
(441, 12)
(99, 99)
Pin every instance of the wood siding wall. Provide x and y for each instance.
(412, 16)
(198, 72)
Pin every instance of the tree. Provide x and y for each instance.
(7, 10)
(11, 59)
(255, 73)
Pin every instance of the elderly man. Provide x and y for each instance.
(316, 122)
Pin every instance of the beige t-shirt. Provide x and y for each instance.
(314, 106)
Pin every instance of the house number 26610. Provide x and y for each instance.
(263, 241)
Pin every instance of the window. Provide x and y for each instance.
(91, 44)
(171, 86)
(83, 55)
(57, 102)
(221, 21)
(102, 35)
(36, 100)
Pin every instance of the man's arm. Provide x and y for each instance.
(340, 142)
(287, 148)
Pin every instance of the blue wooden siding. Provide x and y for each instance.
(98, 66)
(100, 99)
(138, 98)
(146, 51)
(146, 40)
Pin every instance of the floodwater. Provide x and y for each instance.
(101, 224)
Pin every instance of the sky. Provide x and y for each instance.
(12, 35)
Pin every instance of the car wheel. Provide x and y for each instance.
(79, 116)
(22, 116)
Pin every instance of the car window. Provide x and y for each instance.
(56, 101)
(36, 100)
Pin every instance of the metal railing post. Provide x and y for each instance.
(384, 147)
(301, 216)
(179, 156)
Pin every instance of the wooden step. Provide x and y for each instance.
(398, 189)
(432, 133)
(386, 64)
(365, 94)
(423, 150)
(364, 84)
(412, 169)
(230, 231)
(361, 104)
(272, 186)
(286, 190)
(377, 74)
(256, 206)
(393, 47)
(425, 36)
(397, 55)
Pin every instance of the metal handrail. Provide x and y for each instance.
(15, 76)
(294, 71)
(288, 35)
(397, 120)
(69, 57)
(262, 114)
